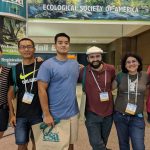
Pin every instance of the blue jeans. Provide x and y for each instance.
(130, 127)
(98, 128)
(23, 129)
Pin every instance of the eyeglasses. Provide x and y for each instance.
(132, 61)
(24, 47)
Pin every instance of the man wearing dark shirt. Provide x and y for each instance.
(99, 103)
(28, 106)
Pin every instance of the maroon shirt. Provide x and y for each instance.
(93, 102)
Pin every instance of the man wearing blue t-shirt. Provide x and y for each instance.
(57, 79)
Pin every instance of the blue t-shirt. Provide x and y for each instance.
(61, 77)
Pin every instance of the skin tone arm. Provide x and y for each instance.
(81, 66)
(114, 84)
(10, 97)
(42, 89)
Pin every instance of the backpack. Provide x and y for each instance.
(119, 77)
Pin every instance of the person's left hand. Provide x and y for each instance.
(81, 66)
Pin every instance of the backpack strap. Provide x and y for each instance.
(119, 77)
(14, 79)
(83, 79)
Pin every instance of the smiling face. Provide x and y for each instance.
(95, 60)
(132, 65)
(26, 49)
(62, 45)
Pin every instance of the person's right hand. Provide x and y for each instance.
(13, 121)
(48, 120)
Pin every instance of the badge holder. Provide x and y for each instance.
(28, 98)
(131, 108)
(104, 96)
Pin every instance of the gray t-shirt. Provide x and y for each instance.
(61, 77)
(122, 95)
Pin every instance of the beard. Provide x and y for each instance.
(95, 64)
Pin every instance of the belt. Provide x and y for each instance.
(4, 106)
(140, 115)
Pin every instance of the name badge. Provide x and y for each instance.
(28, 98)
(104, 96)
(131, 108)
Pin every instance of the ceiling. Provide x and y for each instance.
(44, 32)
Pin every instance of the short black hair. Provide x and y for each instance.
(26, 39)
(61, 34)
(125, 57)
(1, 49)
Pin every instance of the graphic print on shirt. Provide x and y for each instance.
(26, 75)
(24, 80)
(132, 85)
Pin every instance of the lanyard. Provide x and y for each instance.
(129, 82)
(32, 77)
(97, 82)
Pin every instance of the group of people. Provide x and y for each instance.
(46, 91)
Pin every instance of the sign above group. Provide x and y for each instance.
(133, 10)
(13, 8)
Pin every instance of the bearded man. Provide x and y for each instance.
(99, 100)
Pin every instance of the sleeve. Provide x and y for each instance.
(148, 78)
(148, 98)
(113, 73)
(44, 73)
(80, 75)
(148, 70)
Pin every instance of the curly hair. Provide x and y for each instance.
(125, 57)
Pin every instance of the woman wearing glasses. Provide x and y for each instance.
(129, 104)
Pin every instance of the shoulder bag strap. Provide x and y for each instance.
(14, 78)
(83, 79)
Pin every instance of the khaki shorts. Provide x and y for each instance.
(74, 124)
